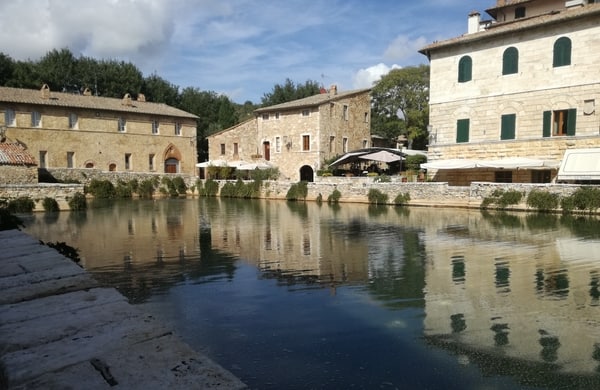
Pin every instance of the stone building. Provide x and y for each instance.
(16, 165)
(63, 130)
(298, 136)
(510, 96)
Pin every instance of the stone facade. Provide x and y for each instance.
(298, 136)
(83, 131)
(538, 97)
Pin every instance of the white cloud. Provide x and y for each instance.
(365, 78)
(403, 47)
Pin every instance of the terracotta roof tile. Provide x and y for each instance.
(60, 99)
(312, 101)
(14, 154)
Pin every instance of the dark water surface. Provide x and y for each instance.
(301, 296)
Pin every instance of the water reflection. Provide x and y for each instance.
(511, 294)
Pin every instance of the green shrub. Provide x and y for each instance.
(567, 204)
(211, 188)
(586, 198)
(50, 205)
(146, 189)
(413, 163)
(77, 202)
(228, 190)
(22, 204)
(334, 197)
(297, 191)
(123, 190)
(402, 199)
(179, 185)
(102, 189)
(382, 179)
(375, 196)
(542, 200)
(264, 174)
(319, 198)
(502, 198)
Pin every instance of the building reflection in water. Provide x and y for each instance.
(521, 287)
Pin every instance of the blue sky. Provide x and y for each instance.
(240, 48)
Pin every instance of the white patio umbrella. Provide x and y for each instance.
(212, 163)
(381, 156)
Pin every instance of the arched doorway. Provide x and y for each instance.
(307, 174)
(112, 167)
(172, 157)
(267, 150)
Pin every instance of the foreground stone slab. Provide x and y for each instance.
(59, 330)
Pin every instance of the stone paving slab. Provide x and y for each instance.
(59, 330)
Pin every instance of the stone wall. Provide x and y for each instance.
(10, 174)
(59, 192)
(84, 176)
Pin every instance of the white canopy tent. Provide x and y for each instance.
(580, 165)
(503, 163)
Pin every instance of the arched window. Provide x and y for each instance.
(510, 61)
(562, 52)
(465, 66)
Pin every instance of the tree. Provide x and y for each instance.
(57, 69)
(156, 89)
(400, 105)
(288, 92)
(7, 67)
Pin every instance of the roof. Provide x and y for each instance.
(68, 100)
(312, 101)
(493, 11)
(14, 154)
(501, 28)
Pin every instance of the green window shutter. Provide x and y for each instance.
(507, 127)
(547, 127)
(510, 61)
(571, 121)
(562, 52)
(462, 130)
(465, 69)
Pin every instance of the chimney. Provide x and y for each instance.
(126, 100)
(474, 22)
(333, 90)
(141, 97)
(45, 91)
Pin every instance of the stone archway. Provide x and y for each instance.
(172, 158)
(307, 174)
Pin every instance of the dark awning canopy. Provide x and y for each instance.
(386, 155)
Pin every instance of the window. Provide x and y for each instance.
(151, 162)
(365, 144)
(235, 148)
(331, 144)
(177, 128)
(510, 61)
(507, 126)
(366, 117)
(306, 143)
(519, 12)
(277, 144)
(541, 176)
(127, 161)
(345, 145)
(222, 149)
(305, 112)
(345, 112)
(562, 52)
(265, 117)
(73, 121)
(36, 119)
(43, 155)
(462, 130)
(122, 125)
(276, 115)
(155, 127)
(559, 123)
(70, 159)
(9, 117)
(503, 176)
(465, 66)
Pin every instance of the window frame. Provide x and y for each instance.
(344, 144)
(127, 161)
(155, 127)
(306, 142)
(462, 130)
(151, 164)
(265, 116)
(122, 125)
(70, 159)
(345, 112)
(36, 119)
(10, 117)
(465, 69)
(277, 144)
(223, 150)
(43, 155)
(508, 125)
(178, 128)
(561, 54)
(305, 112)
(510, 61)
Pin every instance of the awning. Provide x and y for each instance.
(381, 156)
(386, 155)
(503, 163)
(221, 163)
(580, 164)
(450, 164)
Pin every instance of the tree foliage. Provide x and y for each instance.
(400, 105)
(289, 91)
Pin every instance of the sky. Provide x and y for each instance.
(240, 48)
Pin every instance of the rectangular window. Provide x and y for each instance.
(276, 115)
(345, 145)
(519, 12)
(73, 121)
(345, 112)
(127, 161)
(305, 143)
(541, 176)
(503, 176)
(122, 127)
(235, 148)
(559, 123)
(507, 126)
(462, 130)
(222, 149)
(366, 117)
(365, 144)
(331, 144)
(155, 127)
(36, 119)
(70, 159)
(43, 155)
(305, 112)
(177, 128)
(151, 162)
(265, 117)
(277, 144)
(10, 117)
